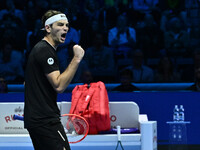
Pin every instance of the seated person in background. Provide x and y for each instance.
(3, 86)
(165, 71)
(122, 38)
(122, 34)
(196, 85)
(150, 37)
(176, 38)
(125, 80)
(34, 36)
(144, 5)
(11, 63)
(141, 72)
(86, 77)
(11, 9)
(188, 73)
(99, 59)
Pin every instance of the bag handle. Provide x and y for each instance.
(87, 99)
(75, 98)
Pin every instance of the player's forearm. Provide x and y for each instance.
(66, 77)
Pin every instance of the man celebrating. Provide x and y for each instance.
(43, 81)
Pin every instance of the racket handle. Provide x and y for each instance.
(17, 117)
(119, 133)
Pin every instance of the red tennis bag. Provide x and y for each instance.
(91, 102)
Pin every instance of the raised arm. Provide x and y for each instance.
(61, 81)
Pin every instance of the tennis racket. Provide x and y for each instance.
(119, 138)
(76, 127)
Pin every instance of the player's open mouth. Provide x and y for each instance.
(63, 36)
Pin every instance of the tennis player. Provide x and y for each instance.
(43, 81)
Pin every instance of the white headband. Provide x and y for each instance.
(55, 18)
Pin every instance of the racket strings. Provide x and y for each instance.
(80, 126)
(76, 126)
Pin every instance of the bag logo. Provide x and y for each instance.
(86, 99)
(50, 61)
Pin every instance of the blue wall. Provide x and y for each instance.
(158, 105)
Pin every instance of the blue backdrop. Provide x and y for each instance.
(157, 105)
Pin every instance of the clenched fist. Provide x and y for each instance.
(78, 52)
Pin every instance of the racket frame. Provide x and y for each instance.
(87, 126)
(21, 118)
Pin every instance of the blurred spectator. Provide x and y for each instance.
(145, 5)
(123, 5)
(10, 9)
(193, 10)
(122, 34)
(11, 62)
(196, 85)
(108, 15)
(100, 59)
(158, 28)
(30, 15)
(149, 37)
(3, 86)
(90, 24)
(86, 77)
(194, 39)
(141, 72)
(122, 37)
(126, 85)
(175, 5)
(56, 5)
(165, 15)
(91, 10)
(41, 7)
(20, 4)
(165, 71)
(9, 28)
(187, 74)
(87, 35)
(34, 36)
(176, 38)
(74, 9)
